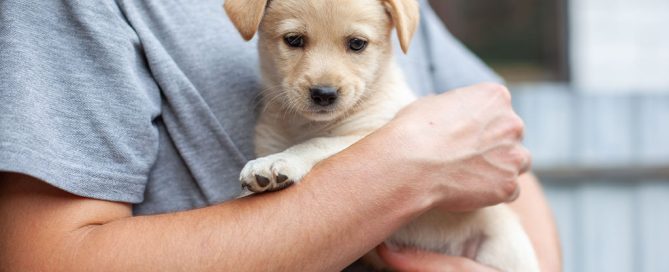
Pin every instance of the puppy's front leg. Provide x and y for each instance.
(280, 170)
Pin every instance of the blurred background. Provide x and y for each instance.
(591, 80)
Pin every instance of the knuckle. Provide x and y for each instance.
(516, 126)
(520, 158)
(518, 122)
(526, 163)
(517, 157)
(508, 188)
(527, 155)
(500, 90)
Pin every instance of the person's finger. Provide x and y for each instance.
(526, 164)
(515, 195)
(415, 260)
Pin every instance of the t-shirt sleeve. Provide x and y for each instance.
(77, 103)
(452, 64)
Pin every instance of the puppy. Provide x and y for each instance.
(330, 79)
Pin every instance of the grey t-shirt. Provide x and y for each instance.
(152, 102)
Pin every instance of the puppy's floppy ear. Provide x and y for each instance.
(246, 15)
(405, 15)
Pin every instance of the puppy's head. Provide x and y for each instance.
(321, 57)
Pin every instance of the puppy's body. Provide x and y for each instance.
(323, 94)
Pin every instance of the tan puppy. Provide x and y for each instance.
(330, 79)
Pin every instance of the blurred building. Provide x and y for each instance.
(619, 46)
(591, 80)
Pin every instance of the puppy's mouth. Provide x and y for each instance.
(323, 111)
(321, 114)
(318, 109)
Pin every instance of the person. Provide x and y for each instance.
(124, 125)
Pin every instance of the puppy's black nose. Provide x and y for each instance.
(323, 95)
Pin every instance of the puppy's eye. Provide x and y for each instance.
(294, 40)
(357, 45)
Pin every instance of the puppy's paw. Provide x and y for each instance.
(273, 173)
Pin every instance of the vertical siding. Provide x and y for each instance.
(653, 124)
(605, 220)
(615, 224)
(612, 225)
(548, 118)
(605, 130)
(653, 234)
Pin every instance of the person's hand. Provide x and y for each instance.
(463, 145)
(415, 260)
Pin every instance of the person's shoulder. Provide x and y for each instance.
(47, 18)
(51, 8)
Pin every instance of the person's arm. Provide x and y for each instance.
(344, 207)
(305, 228)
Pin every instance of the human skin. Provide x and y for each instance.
(536, 217)
(456, 151)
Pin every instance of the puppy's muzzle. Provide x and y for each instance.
(324, 95)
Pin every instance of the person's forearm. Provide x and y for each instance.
(322, 224)
(537, 218)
